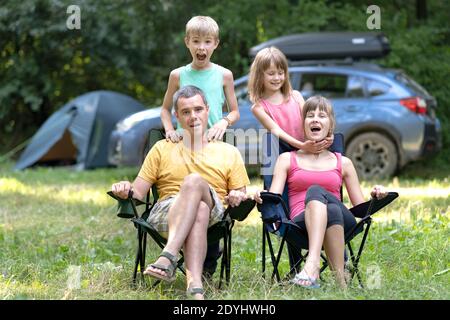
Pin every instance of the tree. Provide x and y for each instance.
(124, 46)
(130, 46)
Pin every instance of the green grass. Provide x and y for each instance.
(54, 222)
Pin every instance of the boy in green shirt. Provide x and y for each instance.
(202, 38)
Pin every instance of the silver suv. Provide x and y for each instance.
(387, 119)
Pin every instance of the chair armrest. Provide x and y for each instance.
(137, 202)
(269, 198)
(241, 212)
(126, 208)
(273, 205)
(368, 208)
(274, 212)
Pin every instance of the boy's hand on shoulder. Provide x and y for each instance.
(217, 131)
(173, 136)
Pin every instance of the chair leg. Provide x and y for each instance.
(229, 255)
(276, 261)
(144, 251)
(361, 247)
(295, 268)
(325, 262)
(355, 260)
(223, 265)
(138, 254)
(264, 234)
(180, 264)
(354, 266)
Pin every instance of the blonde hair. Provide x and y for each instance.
(202, 25)
(261, 63)
(323, 104)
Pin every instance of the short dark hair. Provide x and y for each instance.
(188, 92)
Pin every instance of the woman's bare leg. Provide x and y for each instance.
(334, 246)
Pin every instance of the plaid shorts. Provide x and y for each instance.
(158, 214)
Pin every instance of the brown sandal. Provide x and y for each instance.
(169, 270)
(192, 291)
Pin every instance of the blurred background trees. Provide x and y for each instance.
(130, 46)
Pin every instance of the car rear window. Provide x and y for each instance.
(411, 84)
(327, 85)
(354, 87)
(376, 88)
(241, 90)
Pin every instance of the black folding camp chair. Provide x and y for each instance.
(222, 230)
(275, 217)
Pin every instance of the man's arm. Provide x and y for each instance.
(237, 179)
(236, 196)
(140, 188)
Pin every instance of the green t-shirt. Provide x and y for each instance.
(210, 81)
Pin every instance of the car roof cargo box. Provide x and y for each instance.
(329, 45)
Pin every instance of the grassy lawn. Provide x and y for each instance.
(60, 239)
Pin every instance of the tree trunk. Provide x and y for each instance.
(421, 9)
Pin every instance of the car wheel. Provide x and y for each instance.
(373, 155)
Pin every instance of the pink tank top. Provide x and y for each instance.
(299, 180)
(287, 115)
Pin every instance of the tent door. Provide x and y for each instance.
(64, 151)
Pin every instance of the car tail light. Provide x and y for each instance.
(415, 104)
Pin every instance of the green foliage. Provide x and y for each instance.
(131, 46)
(121, 46)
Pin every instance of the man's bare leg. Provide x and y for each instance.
(182, 215)
(195, 248)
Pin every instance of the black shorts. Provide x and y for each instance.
(337, 213)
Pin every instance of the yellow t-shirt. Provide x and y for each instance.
(219, 163)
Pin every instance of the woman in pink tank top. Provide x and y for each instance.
(314, 183)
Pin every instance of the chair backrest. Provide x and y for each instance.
(153, 137)
(338, 143)
(338, 146)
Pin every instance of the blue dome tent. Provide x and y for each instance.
(78, 133)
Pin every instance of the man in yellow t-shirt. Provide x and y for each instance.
(194, 179)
